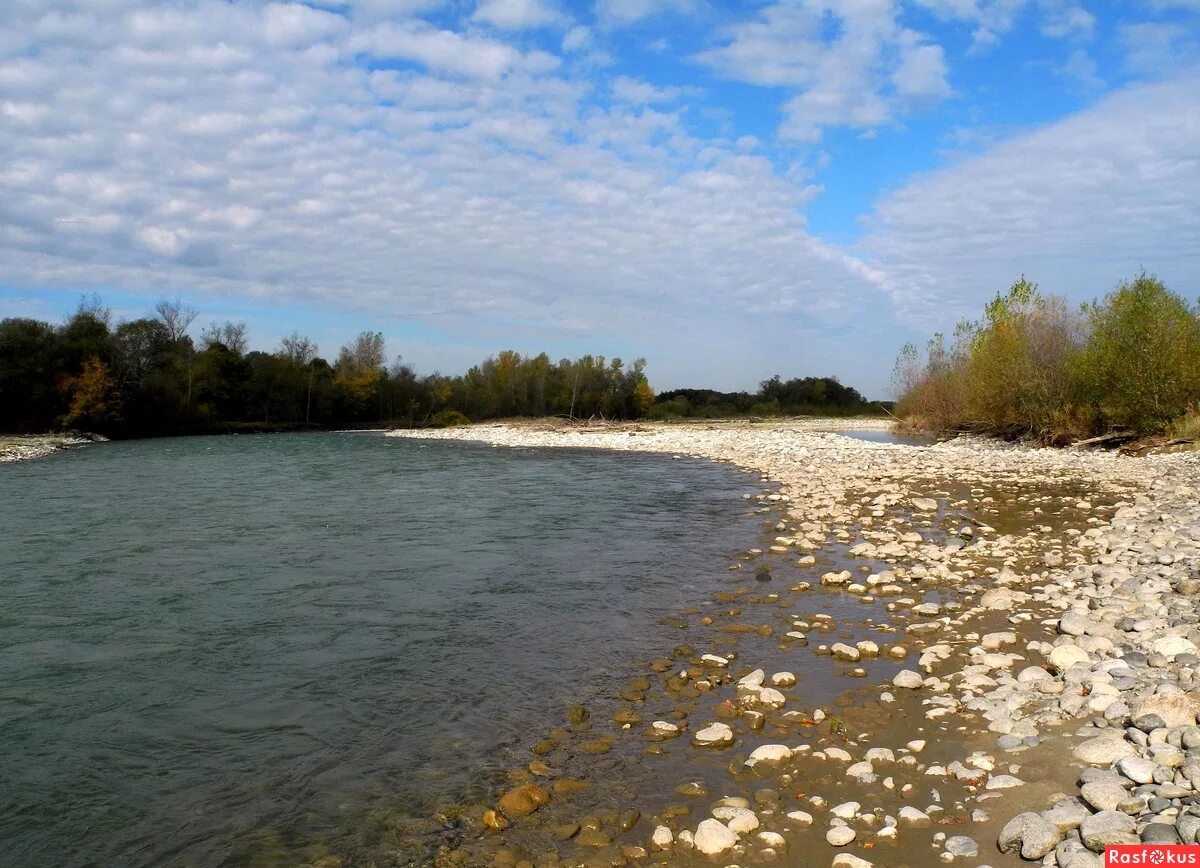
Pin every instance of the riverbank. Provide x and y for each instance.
(1022, 621)
(26, 447)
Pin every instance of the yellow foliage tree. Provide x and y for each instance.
(94, 401)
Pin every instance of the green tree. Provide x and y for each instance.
(1141, 364)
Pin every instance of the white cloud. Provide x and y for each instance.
(387, 166)
(439, 50)
(992, 19)
(517, 14)
(637, 92)
(1080, 68)
(1077, 205)
(858, 72)
(619, 13)
(1153, 48)
(577, 39)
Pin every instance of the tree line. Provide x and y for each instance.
(148, 377)
(806, 396)
(1035, 366)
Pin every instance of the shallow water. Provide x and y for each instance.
(877, 435)
(213, 649)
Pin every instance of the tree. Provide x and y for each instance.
(176, 316)
(1141, 365)
(232, 335)
(94, 402)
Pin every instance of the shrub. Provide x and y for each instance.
(448, 419)
(1141, 366)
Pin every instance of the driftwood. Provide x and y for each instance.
(1115, 438)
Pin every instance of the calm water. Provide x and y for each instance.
(216, 649)
(875, 435)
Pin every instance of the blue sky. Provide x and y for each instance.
(731, 190)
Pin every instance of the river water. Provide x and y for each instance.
(216, 651)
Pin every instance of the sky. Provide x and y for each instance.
(730, 190)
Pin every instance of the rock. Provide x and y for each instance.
(961, 845)
(1063, 657)
(1104, 749)
(840, 836)
(523, 800)
(917, 818)
(999, 599)
(1159, 833)
(1137, 769)
(1107, 827)
(770, 755)
(803, 818)
(738, 820)
(1171, 646)
(1176, 709)
(1104, 794)
(1073, 624)
(845, 652)
(664, 729)
(713, 837)
(714, 735)
(908, 679)
(495, 820)
(1003, 782)
(661, 838)
(849, 860)
(925, 504)
(1030, 834)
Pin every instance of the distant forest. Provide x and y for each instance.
(148, 377)
(809, 396)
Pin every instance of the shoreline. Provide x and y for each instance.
(27, 447)
(1068, 626)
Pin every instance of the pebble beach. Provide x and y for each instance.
(1014, 629)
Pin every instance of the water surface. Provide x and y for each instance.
(213, 649)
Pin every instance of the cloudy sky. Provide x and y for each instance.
(729, 189)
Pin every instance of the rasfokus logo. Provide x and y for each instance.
(1152, 854)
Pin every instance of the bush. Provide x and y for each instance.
(1034, 367)
(1141, 366)
(448, 419)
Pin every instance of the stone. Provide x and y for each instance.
(1107, 827)
(908, 679)
(714, 735)
(713, 837)
(1171, 646)
(1103, 795)
(1003, 782)
(1073, 624)
(1029, 834)
(925, 504)
(961, 845)
(1104, 749)
(1063, 657)
(915, 817)
(770, 755)
(840, 836)
(1159, 833)
(523, 800)
(1175, 709)
(1137, 769)
(661, 838)
(849, 860)
(738, 820)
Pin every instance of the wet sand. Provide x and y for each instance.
(793, 730)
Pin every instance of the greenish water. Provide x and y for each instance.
(213, 650)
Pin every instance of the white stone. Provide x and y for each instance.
(713, 837)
